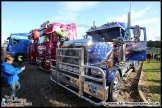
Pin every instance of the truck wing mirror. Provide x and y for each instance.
(137, 31)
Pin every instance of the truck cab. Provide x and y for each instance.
(52, 36)
(32, 45)
(95, 67)
(18, 44)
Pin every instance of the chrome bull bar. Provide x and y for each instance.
(81, 82)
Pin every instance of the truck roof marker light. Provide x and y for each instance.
(109, 63)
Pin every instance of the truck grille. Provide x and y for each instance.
(75, 53)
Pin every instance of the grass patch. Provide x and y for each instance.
(153, 73)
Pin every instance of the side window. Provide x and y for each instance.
(16, 41)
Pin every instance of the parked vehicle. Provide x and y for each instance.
(32, 45)
(95, 67)
(17, 44)
(5, 43)
(52, 36)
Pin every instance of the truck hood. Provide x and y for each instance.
(78, 41)
(96, 53)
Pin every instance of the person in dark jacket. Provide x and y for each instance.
(10, 74)
(149, 57)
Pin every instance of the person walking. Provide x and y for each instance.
(149, 57)
(10, 75)
(20, 59)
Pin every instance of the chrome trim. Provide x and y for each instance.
(81, 82)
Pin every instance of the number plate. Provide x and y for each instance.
(92, 89)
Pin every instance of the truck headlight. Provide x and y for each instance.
(95, 72)
(47, 61)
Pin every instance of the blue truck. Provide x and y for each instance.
(17, 43)
(95, 67)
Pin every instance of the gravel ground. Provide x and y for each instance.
(36, 87)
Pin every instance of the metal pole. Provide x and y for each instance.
(86, 23)
(130, 13)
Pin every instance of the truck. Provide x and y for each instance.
(32, 45)
(17, 44)
(52, 36)
(5, 43)
(95, 67)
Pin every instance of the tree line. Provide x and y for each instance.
(156, 44)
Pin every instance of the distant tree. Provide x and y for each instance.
(156, 44)
(150, 43)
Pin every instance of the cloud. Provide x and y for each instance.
(153, 12)
(134, 15)
(78, 6)
(122, 18)
(152, 36)
(146, 21)
(6, 22)
(149, 35)
(68, 11)
(63, 16)
(158, 25)
(139, 13)
(125, 9)
(157, 38)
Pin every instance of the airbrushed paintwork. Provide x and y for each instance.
(99, 52)
(136, 51)
(68, 30)
(48, 51)
(41, 49)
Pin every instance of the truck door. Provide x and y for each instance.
(136, 50)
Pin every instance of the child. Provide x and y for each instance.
(10, 74)
(20, 59)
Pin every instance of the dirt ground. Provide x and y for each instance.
(36, 87)
(129, 91)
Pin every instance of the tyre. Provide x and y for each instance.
(114, 87)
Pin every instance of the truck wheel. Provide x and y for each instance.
(115, 88)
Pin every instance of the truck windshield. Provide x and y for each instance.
(20, 36)
(43, 39)
(106, 35)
